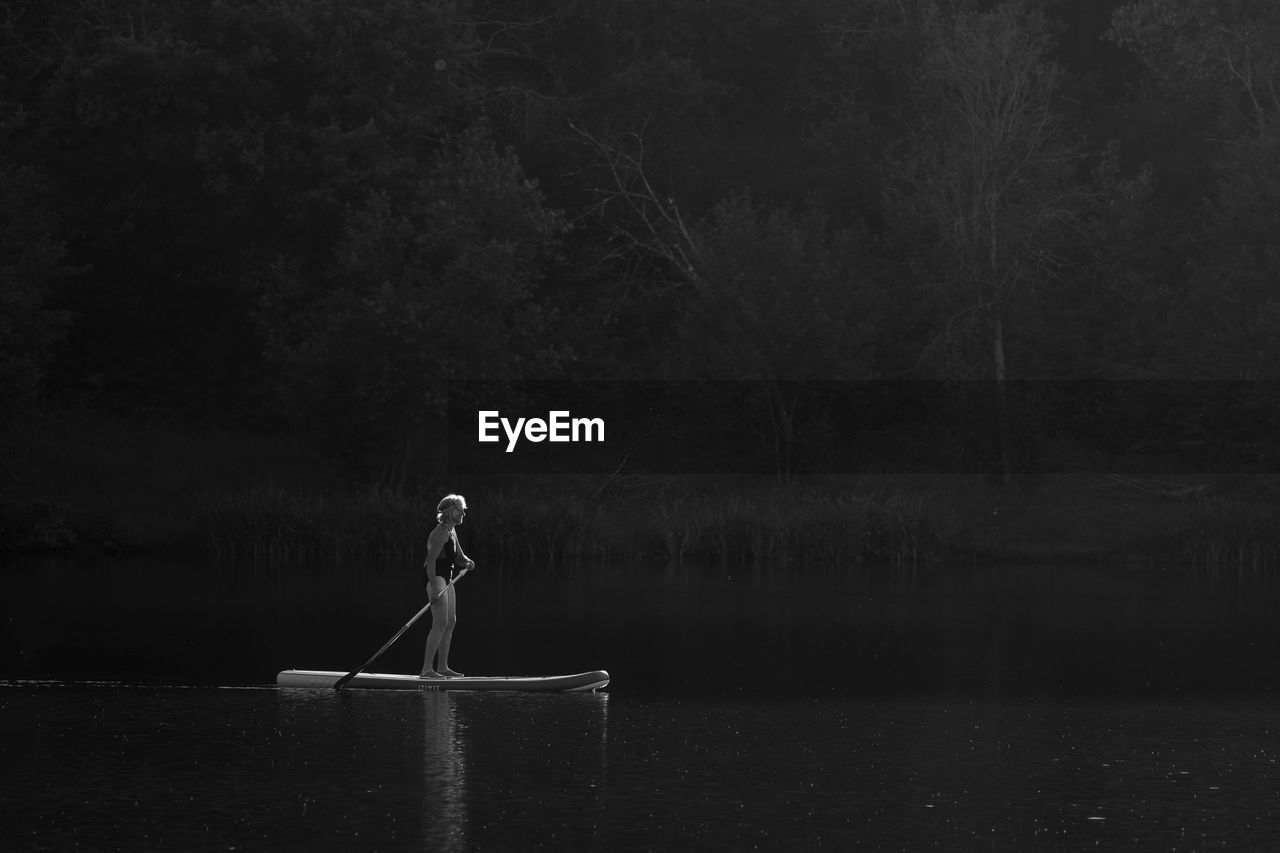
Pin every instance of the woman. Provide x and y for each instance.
(443, 554)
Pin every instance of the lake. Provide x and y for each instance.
(956, 708)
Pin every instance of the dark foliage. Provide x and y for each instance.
(273, 212)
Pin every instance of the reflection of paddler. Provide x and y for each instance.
(444, 553)
(444, 776)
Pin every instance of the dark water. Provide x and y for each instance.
(1005, 708)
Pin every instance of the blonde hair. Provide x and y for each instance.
(449, 501)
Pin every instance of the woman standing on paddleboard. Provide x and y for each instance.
(444, 553)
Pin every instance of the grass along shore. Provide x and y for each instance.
(107, 483)
(576, 519)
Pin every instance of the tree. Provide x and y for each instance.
(433, 282)
(780, 300)
(190, 147)
(1222, 54)
(1231, 310)
(32, 260)
(1222, 57)
(984, 184)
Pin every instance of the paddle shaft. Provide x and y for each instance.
(337, 685)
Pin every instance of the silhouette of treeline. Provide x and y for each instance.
(318, 213)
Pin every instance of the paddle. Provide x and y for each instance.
(337, 685)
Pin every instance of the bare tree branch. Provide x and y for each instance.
(650, 221)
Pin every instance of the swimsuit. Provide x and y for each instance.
(444, 564)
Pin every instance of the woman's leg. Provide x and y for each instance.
(435, 637)
(451, 619)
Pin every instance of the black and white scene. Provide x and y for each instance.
(639, 425)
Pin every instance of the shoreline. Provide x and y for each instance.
(103, 484)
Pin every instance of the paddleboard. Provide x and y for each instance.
(576, 683)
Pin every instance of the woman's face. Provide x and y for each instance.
(455, 514)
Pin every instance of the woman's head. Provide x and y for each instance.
(451, 508)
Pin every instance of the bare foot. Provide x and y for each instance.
(430, 673)
(448, 673)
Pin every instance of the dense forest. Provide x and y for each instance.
(318, 214)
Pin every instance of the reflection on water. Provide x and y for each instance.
(1008, 708)
(404, 753)
(132, 767)
(137, 768)
(444, 810)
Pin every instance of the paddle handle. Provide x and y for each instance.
(337, 685)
